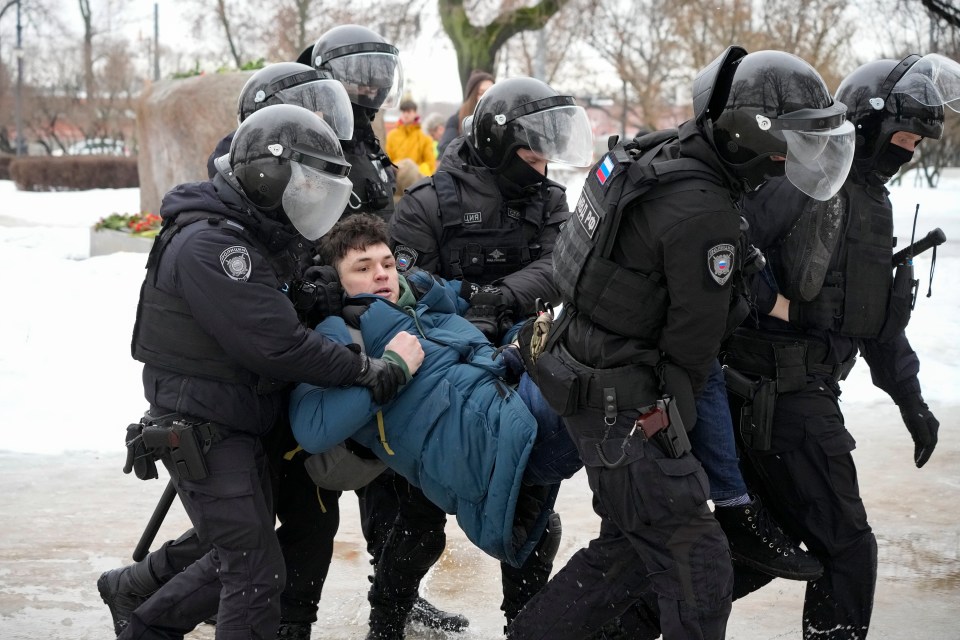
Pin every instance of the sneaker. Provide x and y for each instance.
(759, 542)
(294, 631)
(429, 616)
(120, 601)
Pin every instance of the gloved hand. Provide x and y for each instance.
(319, 294)
(489, 309)
(382, 376)
(513, 362)
(820, 313)
(922, 426)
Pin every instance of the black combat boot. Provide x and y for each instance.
(429, 616)
(387, 622)
(759, 542)
(293, 631)
(125, 589)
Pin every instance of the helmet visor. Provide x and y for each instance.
(559, 134)
(314, 200)
(328, 99)
(934, 80)
(372, 79)
(818, 161)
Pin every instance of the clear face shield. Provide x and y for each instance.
(818, 161)
(328, 99)
(559, 134)
(933, 81)
(315, 198)
(372, 79)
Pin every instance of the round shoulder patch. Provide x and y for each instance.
(406, 257)
(236, 263)
(720, 262)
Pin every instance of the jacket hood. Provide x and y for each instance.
(694, 144)
(217, 196)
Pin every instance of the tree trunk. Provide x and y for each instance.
(477, 47)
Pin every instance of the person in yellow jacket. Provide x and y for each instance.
(409, 141)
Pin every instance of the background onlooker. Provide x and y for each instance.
(477, 84)
(407, 140)
(407, 175)
(435, 125)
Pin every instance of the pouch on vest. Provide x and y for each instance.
(903, 294)
(559, 384)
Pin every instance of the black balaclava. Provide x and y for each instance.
(517, 178)
(889, 161)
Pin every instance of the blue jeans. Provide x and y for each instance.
(712, 439)
(554, 456)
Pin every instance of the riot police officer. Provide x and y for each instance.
(305, 511)
(488, 217)
(369, 69)
(219, 338)
(836, 293)
(645, 266)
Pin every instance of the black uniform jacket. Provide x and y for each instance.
(417, 224)
(234, 289)
(677, 236)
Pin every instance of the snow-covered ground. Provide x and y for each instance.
(68, 387)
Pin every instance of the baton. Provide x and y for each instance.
(932, 239)
(153, 526)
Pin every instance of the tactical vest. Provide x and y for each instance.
(165, 333)
(373, 179)
(802, 258)
(865, 270)
(618, 299)
(484, 255)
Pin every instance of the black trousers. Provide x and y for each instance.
(309, 519)
(808, 480)
(241, 575)
(416, 541)
(658, 541)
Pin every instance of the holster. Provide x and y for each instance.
(759, 402)
(180, 442)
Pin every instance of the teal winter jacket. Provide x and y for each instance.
(456, 430)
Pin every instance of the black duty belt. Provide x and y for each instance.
(613, 389)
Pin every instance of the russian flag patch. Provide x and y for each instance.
(605, 169)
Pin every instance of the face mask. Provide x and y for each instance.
(520, 173)
(890, 160)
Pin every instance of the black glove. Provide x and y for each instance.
(382, 377)
(513, 362)
(922, 426)
(820, 313)
(489, 309)
(318, 295)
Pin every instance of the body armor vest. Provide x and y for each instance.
(865, 270)
(484, 255)
(587, 278)
(165, 333)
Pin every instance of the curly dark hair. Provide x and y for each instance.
(357, 231)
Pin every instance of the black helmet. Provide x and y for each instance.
(886, 96)
(367, 65)
(527, 113)
(757, 106)
(300, 85)
(288, 161)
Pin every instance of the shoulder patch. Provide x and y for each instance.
(720, 262)
(236, 263)
(406, 257)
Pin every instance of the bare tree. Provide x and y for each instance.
(477, 45)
